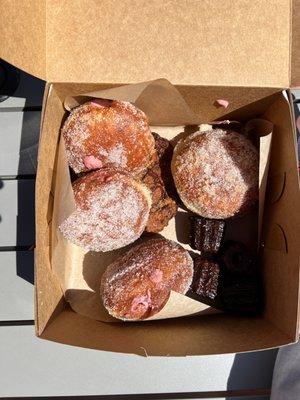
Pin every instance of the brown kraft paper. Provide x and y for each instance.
(80, 271)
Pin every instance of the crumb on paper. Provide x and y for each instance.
(221, 103)
(143, 348)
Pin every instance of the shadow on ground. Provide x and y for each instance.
(28, 93)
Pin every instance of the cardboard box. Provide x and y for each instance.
(244, 52)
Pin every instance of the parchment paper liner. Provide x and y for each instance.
(80, 271)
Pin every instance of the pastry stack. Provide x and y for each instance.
(124, 186)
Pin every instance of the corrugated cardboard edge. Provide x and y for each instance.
(293, 117)
(293, 120)
(36, 316)
(295, 44)
(56, 303)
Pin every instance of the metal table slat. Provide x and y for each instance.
(17, 213)
(51, 369)
(19, 136)
(16, 285)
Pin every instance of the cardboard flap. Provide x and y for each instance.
(23, 35)
(295, 44)
(241, 43)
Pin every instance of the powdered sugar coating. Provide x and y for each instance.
(115, 132)
(112, 210)
(138, 284)
(216, 173)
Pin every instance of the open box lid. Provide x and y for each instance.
(241, 43)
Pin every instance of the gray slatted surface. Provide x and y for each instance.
(17, 212)
(51, 369)
(19, 132)
(16, 285)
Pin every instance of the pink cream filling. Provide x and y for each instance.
(92, 162)
(222, 103)
(142, 301)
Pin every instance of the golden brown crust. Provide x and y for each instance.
(164, 150)
(216, 173)
(138, 284)
(112, 210)
(163, 207)
(157, 177)
(110, 133)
